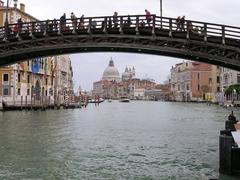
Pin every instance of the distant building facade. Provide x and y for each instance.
(229, 78)
(112, 86)
(63, 83)
(194, 81)
(30, 81)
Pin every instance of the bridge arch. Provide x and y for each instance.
(198, 41)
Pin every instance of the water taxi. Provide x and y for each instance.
(124, 99)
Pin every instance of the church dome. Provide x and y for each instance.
(111, 73)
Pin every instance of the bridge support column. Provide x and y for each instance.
(105, 25)
(137, 25)
(89, 26)
(205, 32)
(188, 31)
(223, 35)
(154, 24)
(121, 25)
(45, 29)
(170, 28)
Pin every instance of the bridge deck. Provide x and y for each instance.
(199, 40)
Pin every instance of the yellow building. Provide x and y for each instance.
(31, 80)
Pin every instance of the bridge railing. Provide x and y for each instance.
(158, 24)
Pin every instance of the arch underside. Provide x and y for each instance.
(212, 53)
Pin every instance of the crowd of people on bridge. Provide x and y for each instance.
(115, 21)
(110, 22)
(183, 25)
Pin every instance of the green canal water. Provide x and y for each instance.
(136, 140)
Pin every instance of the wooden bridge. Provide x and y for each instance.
(198, 41)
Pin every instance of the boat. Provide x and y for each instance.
(109, 100)
(124, 99)
(100, 100)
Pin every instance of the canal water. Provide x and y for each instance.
(136, 140)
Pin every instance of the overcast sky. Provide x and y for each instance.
(89, 67)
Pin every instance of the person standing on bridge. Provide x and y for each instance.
(74, 20)
(19, 23)
(62, 21)
(55, 24)
(115, 19)
(81, 23)
(182, 23)
(148, 17)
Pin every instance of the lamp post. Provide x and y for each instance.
(15, 2)
(6, 21)
(161, 11)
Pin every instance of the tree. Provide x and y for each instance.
(230, 89)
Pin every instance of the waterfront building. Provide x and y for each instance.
(181, 82)
(30, 81)
(128, 74)
(111, 85)
(194, 81)
(139, 93)
(63, 83)
(229, 78)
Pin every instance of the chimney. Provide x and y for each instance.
(22, 7)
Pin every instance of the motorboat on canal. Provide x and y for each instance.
(100, 100)
(124, 99)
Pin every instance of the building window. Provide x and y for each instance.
(218, 89)
(238, 78)
(198, 87)
(19, 91)
(32, 91)
(28, 79)
(28, 92)
(46, 93)
(5, 78)
(188, 87)
(198, 76)
(218, 79)
(46, 81)
(6, 92)
(225, 79)
(19, 77)
(210, 81)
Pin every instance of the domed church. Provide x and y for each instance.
(111, 73)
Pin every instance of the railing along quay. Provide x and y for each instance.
(135, 25)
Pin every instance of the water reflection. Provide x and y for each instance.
(137, 140)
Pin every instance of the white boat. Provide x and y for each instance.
(124, 99)
(96, 100)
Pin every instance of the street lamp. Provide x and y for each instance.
(15, 2)
(6, 21)
(161, 11)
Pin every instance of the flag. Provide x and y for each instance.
(36, 65)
